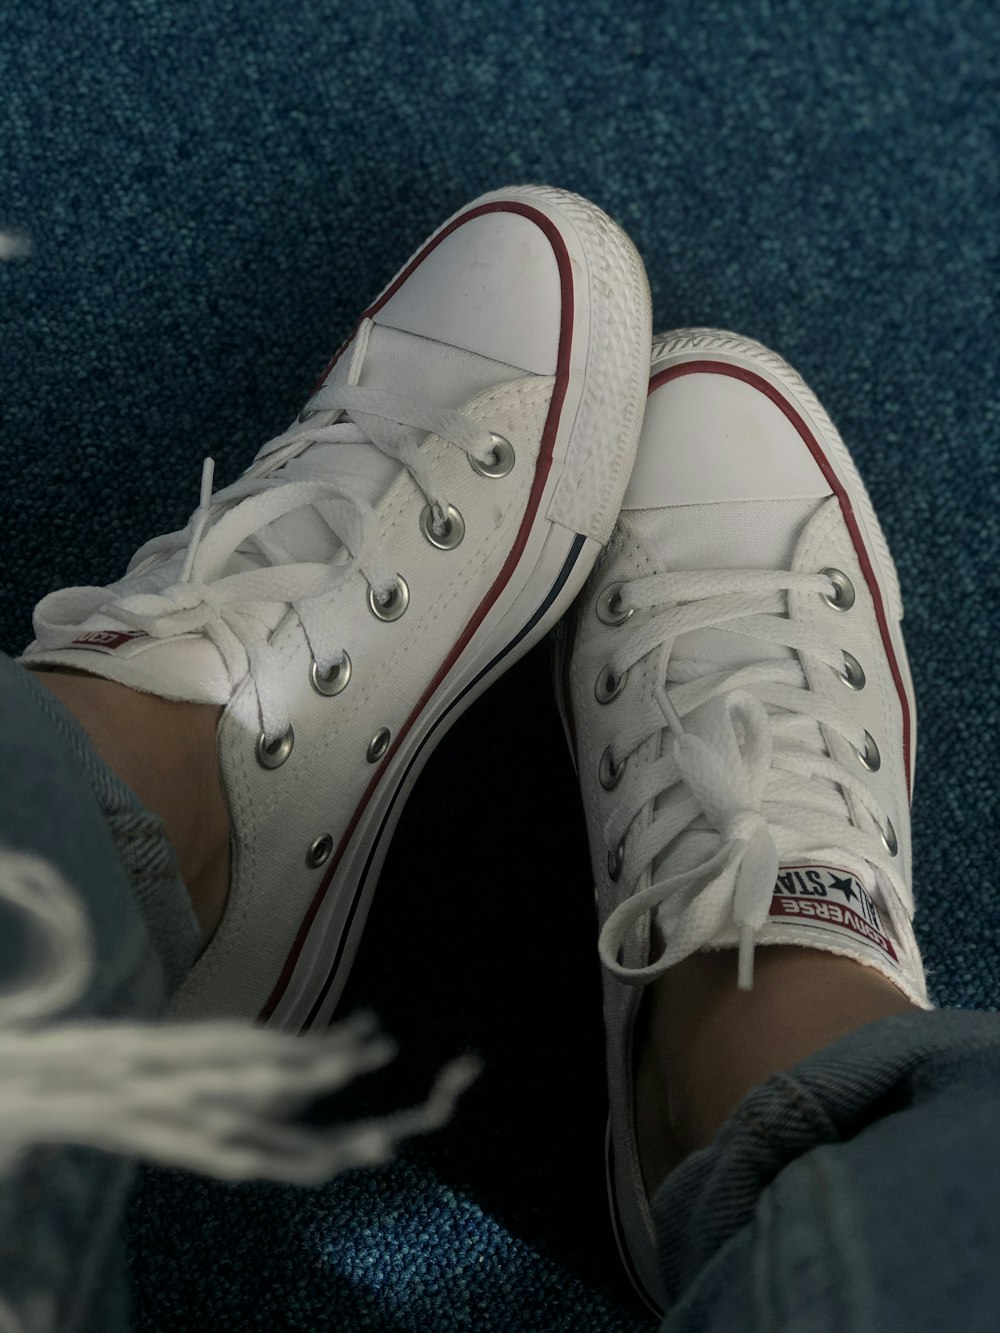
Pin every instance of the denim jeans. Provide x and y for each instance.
(857, 1191)
(62, 1262)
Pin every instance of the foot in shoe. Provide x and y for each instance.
(738, 701)
(435, 508)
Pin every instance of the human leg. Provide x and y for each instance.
(65, 813)
(93, 909)
(434, 509)
(737, 696)
(703, 1045)
(855, 1191)
(244, 631)
(166, 752)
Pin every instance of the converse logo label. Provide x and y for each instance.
(107, 640)
(829, 898)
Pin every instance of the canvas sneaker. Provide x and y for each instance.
(436, 506)
(737, 698)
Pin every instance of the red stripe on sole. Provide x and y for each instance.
(542, 469)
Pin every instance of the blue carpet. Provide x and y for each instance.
(213, 193)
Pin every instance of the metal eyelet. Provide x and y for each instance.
(334, 681)
(870, 756)
(275, 754)
(608, 774)
(378, 745)
(306, 413)
(608, 687)
(452, 533)
(397, 602)
(853, 674)
(610, 608)
(843, 595)
(615, 860)
(503, 458)
(888, 836)
(319, 851)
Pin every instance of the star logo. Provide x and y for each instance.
(844, 885)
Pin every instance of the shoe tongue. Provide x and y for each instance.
(429, 371)
(753, 534)
(398, 363)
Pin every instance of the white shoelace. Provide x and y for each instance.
(742, 790)
(235, 611)
(214, 1097)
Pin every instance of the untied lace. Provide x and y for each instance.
(738, 762)
(231, 609)
(214, 1097)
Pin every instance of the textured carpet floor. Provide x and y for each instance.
(213, 193)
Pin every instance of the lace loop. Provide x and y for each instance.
(728, 812)
(238, 611)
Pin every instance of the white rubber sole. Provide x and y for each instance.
(324, 964)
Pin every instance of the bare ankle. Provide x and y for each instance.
(165, 751)
(705, 1044)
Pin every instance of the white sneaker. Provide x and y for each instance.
(737, 698)
(424, 522)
